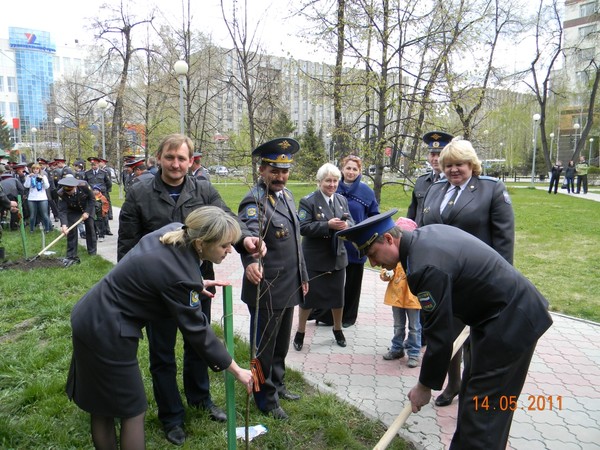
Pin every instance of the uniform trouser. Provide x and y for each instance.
(582, 180)
(500, 385)
(90, 234)
(274, 327)
(162, 336)
(553, 184)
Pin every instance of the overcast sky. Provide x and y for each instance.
(67, 20)
(279, 34)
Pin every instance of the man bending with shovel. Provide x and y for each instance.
(76, 201)
(455, 275)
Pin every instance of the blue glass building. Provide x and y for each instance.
(34, 53)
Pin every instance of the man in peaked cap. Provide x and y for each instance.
(436, 141)
(97, 176)
(198, 170)
(269, 209)
(505, 324)
(140, 171)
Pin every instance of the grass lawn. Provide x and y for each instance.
(558, 240)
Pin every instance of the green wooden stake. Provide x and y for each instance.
(229, 378)
(22, 226)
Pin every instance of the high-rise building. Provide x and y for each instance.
(30, 63)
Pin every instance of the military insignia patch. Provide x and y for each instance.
(506, 197)
(302, 214)
(194, 299)
(251, 212)
(427, 302)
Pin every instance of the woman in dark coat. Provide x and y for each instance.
(476, 204)
(321, 215)
(159, 278)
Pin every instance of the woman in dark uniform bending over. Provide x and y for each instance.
(159, 278)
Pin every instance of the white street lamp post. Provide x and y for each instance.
(103, 104)
(57, 122)
(552, 145)
(536, 118)
(181, 69)
(576, 127)
(591, 143)
(33, 131)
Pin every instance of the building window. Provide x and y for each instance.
(1, 84)
(12, 84)
(14, 109)
(2, 110)
(582, 77)
(585, 32)
(586, 54)
(587, 9)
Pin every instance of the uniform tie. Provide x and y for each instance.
(450, 204)
(436, 177)
(331, 207)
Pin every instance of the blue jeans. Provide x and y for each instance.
(412, 345)
(38, 212)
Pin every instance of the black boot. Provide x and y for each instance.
(298, 341)
(339, 338)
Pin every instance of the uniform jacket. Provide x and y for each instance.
(13, 188)
(82, 201)
(284, 268)
(141, 177)
(483, 209)
(101, 178)
(149, 207)
(415, 209)
(470, 281)
(153, 282)
(322, 251)
(362, 204)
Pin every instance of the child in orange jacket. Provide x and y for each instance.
(404, 306)
(101, 218)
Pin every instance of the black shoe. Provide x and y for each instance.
(215, 413)
(109, 233)
(68, 262)
(278, 413)
(393, 354)
(339, 338)
(298, 341)
(175, 435)
(347, 324)
(287, 395)
(445, 399)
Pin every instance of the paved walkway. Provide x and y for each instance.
(565, 370)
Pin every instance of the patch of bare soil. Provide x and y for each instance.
(23, 264)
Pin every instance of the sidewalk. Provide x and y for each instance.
(565, 370)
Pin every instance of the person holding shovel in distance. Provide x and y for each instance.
(446, 268)
(76, 200)
(158, 279)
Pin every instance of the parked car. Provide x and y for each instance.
(221, 171)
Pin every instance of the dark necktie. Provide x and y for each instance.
(331, 207)
(450, 204)
(436, 177)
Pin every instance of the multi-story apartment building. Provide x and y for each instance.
(582, 55)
